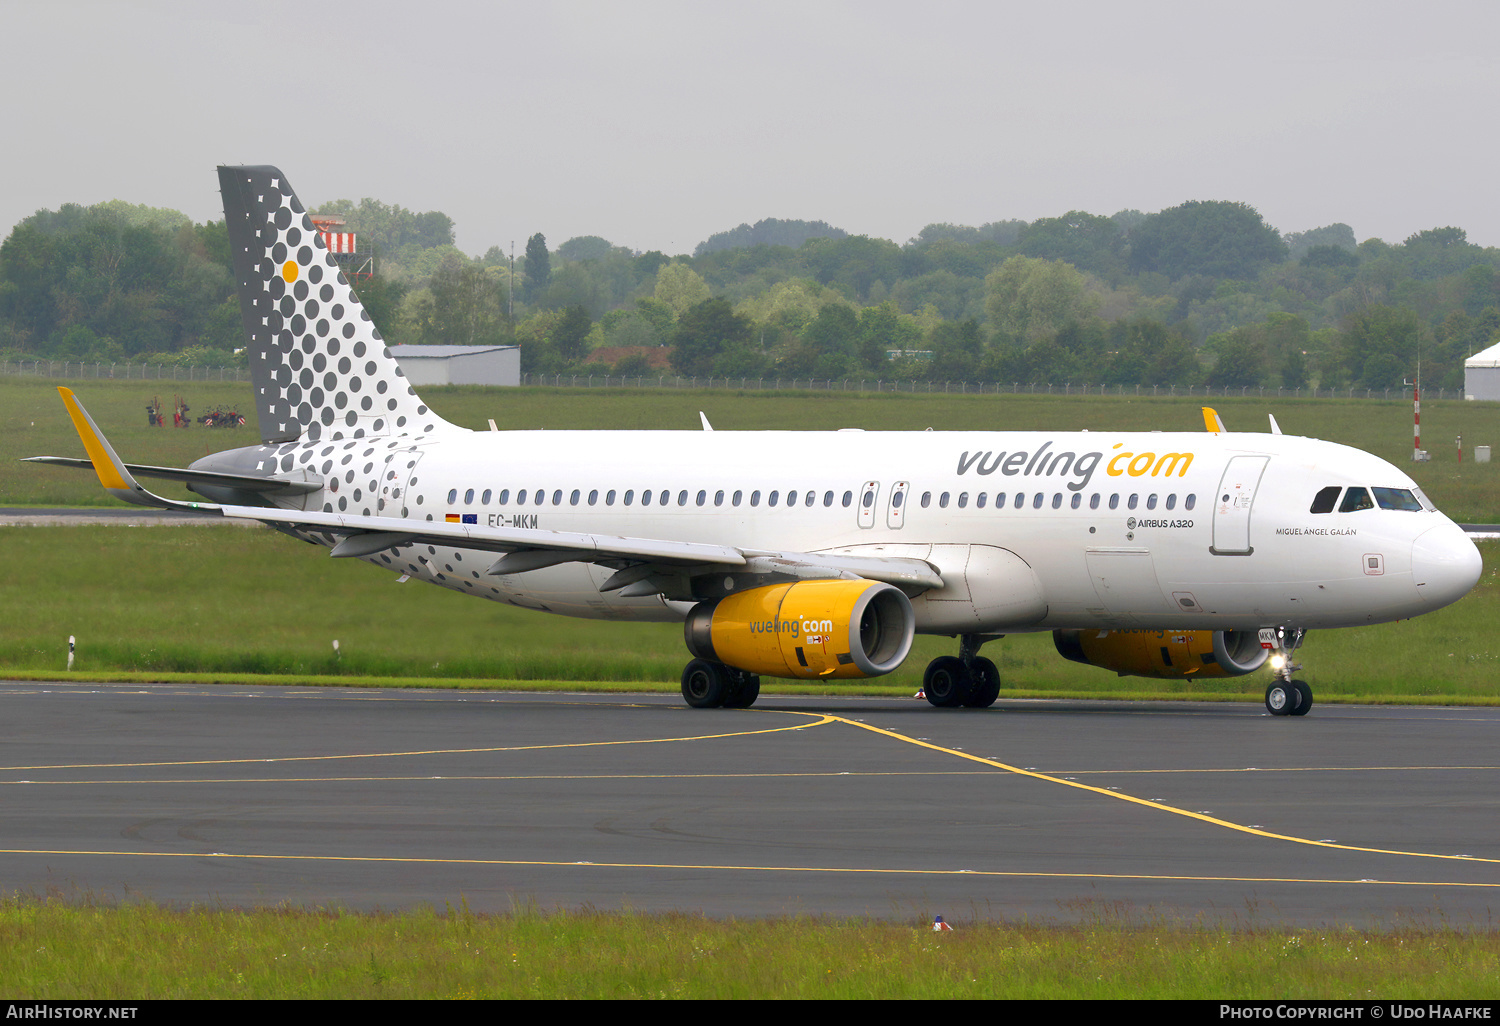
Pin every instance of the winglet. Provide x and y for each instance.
(1211, 421)
(1275, 427)
(704, 417)
(112, 473)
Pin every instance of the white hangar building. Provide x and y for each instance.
(460, 365)
(1482, 374)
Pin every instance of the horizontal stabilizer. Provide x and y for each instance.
(184, 475)
(113, 474)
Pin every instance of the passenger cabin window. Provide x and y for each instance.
(1356, 499)
(1325, 500)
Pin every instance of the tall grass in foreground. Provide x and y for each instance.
(56, 950)
(225, 600)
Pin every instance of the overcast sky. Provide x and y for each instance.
(656, 123)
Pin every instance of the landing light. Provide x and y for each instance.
(1277, 662)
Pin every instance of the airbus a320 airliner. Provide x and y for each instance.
(801, 554)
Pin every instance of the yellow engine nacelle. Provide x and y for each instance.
(806, 629)
(1175, 655)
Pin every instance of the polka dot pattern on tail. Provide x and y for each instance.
(302, 317)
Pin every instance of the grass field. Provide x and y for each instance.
(67, 950)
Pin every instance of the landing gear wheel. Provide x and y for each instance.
(705, 684)
(947, 682)
(1280, 698)
(985, 683)
(1304, 697)
(743, 690)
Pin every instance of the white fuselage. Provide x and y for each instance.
(1160, 530)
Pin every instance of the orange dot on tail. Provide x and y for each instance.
(289, 271)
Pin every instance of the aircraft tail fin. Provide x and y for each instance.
(319, 366)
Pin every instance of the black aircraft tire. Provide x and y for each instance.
(744, 691)
(985, 687)
(1280, 697)
(947, 682)
(1304, 697)
(705, 684)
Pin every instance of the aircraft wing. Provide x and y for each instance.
(645, 566)
(521, 548)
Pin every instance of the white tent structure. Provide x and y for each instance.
(1482, 374)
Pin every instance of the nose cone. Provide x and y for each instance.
(1444, 565)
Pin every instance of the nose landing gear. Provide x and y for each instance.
(968, 679)
(1285, 696)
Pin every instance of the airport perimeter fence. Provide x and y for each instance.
(970, 387)
(174, 372)
(121, 371)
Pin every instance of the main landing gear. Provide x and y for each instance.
(710, 685)
(1285, 696)
(967, 679)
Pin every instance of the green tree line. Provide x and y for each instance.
(1204, 292)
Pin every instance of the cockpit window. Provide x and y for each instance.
(1421, 497)
(1325, 500)
(1356, 499)
(1396, 498)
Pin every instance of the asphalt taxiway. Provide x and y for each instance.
(1045, 810)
